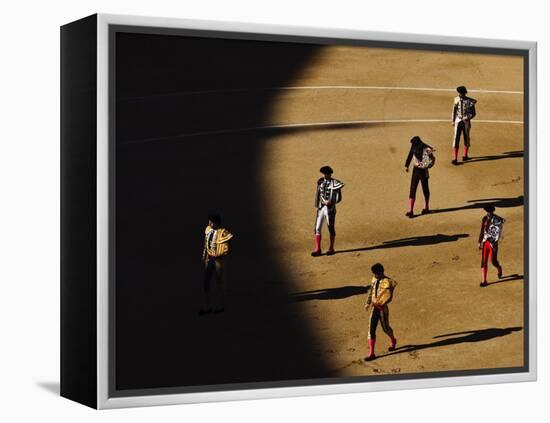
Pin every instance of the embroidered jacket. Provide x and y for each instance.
(381, 291)
(491, 229)
(216, 242)
(416, 152)
(464, 107)
(328, 191)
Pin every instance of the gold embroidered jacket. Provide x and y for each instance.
(381, 291)
(219, 245)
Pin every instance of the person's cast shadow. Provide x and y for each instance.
(481, 203)
(508, 278)
(457, 338)
(505, 155)
(337, 293)
(414, 241)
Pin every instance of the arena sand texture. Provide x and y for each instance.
(342, 112)
(440, 316)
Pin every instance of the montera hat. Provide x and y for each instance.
(326, 170)
(215, 218)
(377, 268)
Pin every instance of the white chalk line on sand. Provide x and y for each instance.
(311, 125)
(321, 87)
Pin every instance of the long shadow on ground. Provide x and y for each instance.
(337, 293)
(508, 278)
(505, 155)
(467, 336)
(167, 185)
(415, 241)
(479, 204)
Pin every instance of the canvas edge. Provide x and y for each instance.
(103, 399)
(533, 202)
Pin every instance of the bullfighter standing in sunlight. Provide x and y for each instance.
(464, 110)
(380, 295)
(328, 193)
(423, 159)
(489, 236)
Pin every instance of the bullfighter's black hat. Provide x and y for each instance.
(215, 218)
(326, 170)
(377, 269)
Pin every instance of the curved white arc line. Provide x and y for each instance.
(321, 87)
(311, 124)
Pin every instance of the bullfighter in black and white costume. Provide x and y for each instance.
(422, 157)
(328, 193)
(464, 110)
(489, 236)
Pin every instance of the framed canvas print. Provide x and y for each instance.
(253, 211)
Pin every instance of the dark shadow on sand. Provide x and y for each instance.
(479, 204)
(264, 130)
(505, 155)
(333, 126)
(337, 293)
(415, 241)
(165, 190)
(467, 336)
(508, 278)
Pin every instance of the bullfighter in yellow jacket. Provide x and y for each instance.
(379, 296)
(216, 247)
